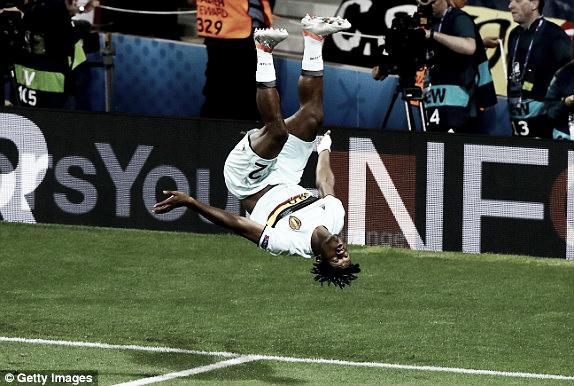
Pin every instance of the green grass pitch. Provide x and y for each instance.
(412, 317)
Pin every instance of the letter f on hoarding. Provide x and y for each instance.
(475, 207)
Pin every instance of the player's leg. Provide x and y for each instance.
(268, 141)
(308, 119)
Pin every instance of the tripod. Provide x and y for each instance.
(410, 94)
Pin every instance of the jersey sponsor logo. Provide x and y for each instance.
(294, 223)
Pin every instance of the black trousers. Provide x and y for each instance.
(230, 88)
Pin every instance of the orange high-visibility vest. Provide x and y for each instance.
(227, 19)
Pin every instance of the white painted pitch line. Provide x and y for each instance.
(287, 359)
(421, 368)
(118, 346)
(187, 373)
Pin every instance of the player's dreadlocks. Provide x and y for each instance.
(325, 272)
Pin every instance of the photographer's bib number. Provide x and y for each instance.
(529, 120)
(226, 19)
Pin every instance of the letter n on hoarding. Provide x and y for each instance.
(363, 157)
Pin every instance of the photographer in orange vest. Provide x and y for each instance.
(227, 28)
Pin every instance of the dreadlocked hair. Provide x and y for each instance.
(340, 277)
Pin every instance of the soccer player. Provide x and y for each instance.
(265, 167)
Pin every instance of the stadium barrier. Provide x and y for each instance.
(425, 191)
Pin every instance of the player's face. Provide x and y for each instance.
(335, 252)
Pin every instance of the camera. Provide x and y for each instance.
(405, 49)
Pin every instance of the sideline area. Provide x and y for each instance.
(162, 77)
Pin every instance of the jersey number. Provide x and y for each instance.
(207, 26)
(257, 172)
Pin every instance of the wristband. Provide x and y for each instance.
(324, 144)
(432, 34)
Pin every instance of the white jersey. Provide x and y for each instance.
(292, 233)
(246, 173)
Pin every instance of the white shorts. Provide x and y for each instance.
(246, 173)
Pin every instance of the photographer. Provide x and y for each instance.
(49, 67)
(457, 81)
(227, 29)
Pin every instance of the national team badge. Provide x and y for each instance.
(294, 223)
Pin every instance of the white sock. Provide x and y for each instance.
(312, 53)
(265, 67)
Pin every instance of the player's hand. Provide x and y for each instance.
(175, 200)
(325, 142)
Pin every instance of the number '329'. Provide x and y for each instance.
(208, 26)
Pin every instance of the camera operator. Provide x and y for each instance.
(50, 67)
(457, 80)
(459, 83)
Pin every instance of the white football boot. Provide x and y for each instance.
(324, 26)
(268, 38)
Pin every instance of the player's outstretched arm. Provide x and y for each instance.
(324, 177)
(239, 224)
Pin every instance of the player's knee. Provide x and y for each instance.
(315, 118)
(278, 132)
